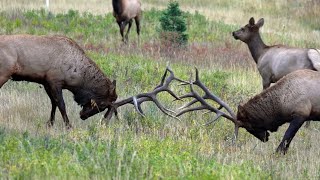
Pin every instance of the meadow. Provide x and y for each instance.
(157, 146)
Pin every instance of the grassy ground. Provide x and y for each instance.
(156, 146)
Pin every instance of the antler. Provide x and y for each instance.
(204, 105)
(138, 99)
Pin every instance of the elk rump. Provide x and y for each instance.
(57, 63)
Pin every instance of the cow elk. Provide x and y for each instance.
(125, 11)
(275, 61)
(57, 63)
(293, 99)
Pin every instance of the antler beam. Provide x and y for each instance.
(138, 99)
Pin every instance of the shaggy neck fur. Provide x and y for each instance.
(95, 85)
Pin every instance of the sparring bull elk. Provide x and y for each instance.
(57, 63)
(275, 61)
(293, 99)
(125, 11)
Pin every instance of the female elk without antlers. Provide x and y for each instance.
(124, 11)
(293, 99)
(275, 61)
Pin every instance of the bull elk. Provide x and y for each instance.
(125, 11)
(293, 99)
(57, 63)
(275, 61)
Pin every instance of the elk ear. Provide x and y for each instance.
(251, 21)
(260, 23)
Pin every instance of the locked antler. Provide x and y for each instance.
(205, 105)
(138, 99)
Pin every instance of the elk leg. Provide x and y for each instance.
(53, 108)
(137, 20)
(130, 24)
(293, 128)
(58, 98)
(122, 26)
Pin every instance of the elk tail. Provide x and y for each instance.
(314, 56)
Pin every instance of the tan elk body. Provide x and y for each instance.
(125, 11)
(275, 61)
(57, 63)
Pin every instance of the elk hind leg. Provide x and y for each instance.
(137, 20)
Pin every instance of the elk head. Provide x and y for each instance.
(241, 120)
(99, 104)
(246, 33)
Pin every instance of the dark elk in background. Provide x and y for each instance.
(293, 99)
(125, 11)
(57, 63)
(275, 61)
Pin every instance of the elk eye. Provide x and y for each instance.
(242, 29)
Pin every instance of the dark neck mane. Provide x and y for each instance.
(95, 85)
(117, 6)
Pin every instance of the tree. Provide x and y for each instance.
(173, 25)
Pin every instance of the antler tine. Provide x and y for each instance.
(150, 96)
(214, 119)
(204, 105)
(209, 95)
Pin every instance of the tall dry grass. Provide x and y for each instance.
(26, 107)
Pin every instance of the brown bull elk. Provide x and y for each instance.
(293, 99)
(275, 61)
(57, 63)
(125, 11)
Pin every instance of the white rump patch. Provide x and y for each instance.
(314, 56)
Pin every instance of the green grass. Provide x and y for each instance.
(155, 147)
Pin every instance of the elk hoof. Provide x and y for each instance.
(69, 127)
(281, 150)
(49, 124)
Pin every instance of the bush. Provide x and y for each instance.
(173, 25)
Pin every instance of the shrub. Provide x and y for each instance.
(173, 25)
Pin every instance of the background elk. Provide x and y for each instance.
(124, 11)
(275, 61)
(293, 99)
(57, 63)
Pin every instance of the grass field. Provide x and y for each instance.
(155, 147)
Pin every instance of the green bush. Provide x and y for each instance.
(173, 25)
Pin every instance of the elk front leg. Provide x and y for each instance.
(294, 126)
(129, 27)
(58, 98)
(122, 26)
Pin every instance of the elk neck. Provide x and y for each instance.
(117, 6)
(256, 47)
